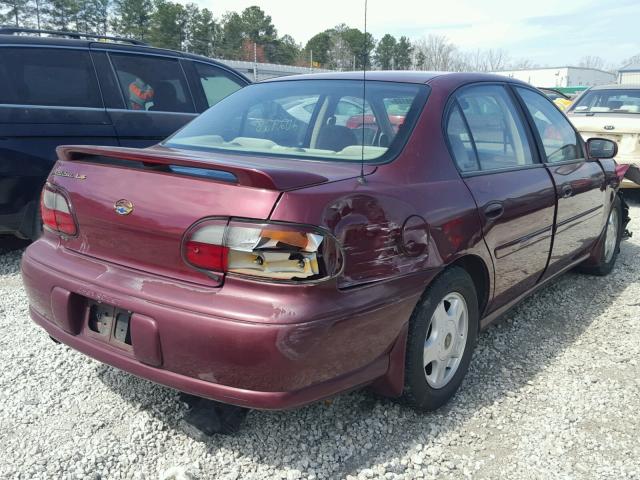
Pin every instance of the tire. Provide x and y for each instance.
(36, 229)
(426, 387)
(609, 246)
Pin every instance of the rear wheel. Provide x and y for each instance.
(442, 335)
(609, 246)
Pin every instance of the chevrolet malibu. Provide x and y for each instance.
(268, 260)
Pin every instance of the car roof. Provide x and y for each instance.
(616, 86)
(35, 41)
(401, 76)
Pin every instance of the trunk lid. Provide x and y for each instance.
(133, 206)
(621, 128)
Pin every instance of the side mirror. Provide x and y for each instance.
(601, 148)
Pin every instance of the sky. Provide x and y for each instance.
(552, 33)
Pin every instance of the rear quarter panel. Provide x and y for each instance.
(368, 216)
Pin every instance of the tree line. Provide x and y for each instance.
(251, 35)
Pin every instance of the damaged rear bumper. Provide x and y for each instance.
(248, 344)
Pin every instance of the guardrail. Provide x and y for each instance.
(263, 71)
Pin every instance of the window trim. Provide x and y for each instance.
(532, 126)
(452, 100)
(456, 105)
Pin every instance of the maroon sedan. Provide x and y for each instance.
(268, 260)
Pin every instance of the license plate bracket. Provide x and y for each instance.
(110, 324)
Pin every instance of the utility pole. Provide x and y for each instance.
(38, 15)
(255, 62)
(311, 60)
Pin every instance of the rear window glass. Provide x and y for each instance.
(326, 119)
(49, 77)
(609, 101)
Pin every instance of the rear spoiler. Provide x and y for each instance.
(245, 172)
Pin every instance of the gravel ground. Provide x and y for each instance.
(553, 392)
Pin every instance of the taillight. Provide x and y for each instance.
(56, 212)
(277, 251)
(621, 170)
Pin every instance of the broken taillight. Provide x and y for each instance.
(276, 251)
(56, 212)
(621, 170)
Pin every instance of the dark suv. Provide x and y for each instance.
(89, 90)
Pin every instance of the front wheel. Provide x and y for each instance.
(609, 246)
(442, 334)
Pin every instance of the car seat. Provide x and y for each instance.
(335, 137)
(166, 98)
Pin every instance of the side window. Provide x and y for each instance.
(498, 133)
(152, 83)
(559, 139)
(460, 142)
(216, 83)
(51, 77)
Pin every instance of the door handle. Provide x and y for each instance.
(567, 191)
(493, 210)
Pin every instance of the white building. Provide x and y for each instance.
(561, 76)
(629, 75)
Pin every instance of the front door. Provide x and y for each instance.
(579, 184)
(513, 191)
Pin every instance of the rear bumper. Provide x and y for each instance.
(245, 344)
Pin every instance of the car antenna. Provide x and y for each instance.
(361, 179)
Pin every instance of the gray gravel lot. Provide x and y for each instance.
(553, 392)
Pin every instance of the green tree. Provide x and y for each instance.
(61, 15)
(360, 46)
(319, 46)
(284, 50)
(403, 52)
(132, 18)
(421, 60)
(232, 36)
(168, 25)
(18, 13)
(385, 52)
(257, 25)
(96, 16)
(203, 32)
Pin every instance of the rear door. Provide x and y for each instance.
(492, 148)
(48, 97)
(579, 184)
(156, 100)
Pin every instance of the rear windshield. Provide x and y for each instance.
(609, 101)
(323, 119)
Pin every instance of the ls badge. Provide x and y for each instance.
(123, 207)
